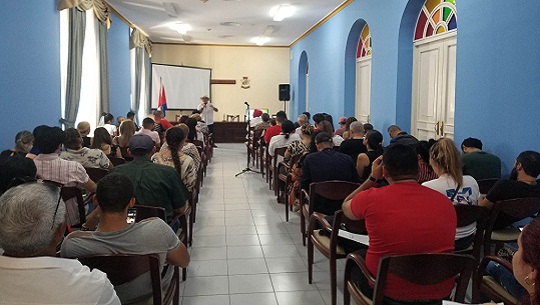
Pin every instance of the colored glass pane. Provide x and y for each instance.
(422, 19)
(437, 16)
(446, 12)
(431, 4)
(429, 30)
(452, 25)
(363, 52)
(451, 1)
(369, 52)
(358, 52)
(441, 29)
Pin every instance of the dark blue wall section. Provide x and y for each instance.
(119, 67)
(30, 67)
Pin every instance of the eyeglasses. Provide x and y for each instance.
(342, 123)
(27, 179)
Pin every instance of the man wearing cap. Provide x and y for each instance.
(256, 118)
(155, 184)
(207, 112)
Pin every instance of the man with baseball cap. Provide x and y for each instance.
(155, 184)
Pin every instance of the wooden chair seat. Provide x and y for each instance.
(468, 215)
(505, 234)
(488, 286)
(96, 173)
(484, 185)
(324, 241)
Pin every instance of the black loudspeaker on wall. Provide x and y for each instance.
(284, 92)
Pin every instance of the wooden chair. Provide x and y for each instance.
(125, 154)
(122, 268)
(467, 215)
(96, 173)
(333, 190)
(487, 285)
(486, 184)
(69, 192)
(420, 269)
(280, 151)
(519, 208)
(288, 184)
(253, 147)
(328, 246)
(179, 221)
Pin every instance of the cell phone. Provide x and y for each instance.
(132, 214)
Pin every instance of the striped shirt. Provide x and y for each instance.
(68, 173)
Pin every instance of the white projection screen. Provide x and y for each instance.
(184, 86)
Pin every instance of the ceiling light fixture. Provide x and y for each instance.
(280, 12)
(261, 40)
(180, 27)
(269, 30)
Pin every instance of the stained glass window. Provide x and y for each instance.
(436, 17)
(364, 43)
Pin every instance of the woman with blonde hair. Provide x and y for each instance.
(127, 130)
(445, 160)
(24, 140)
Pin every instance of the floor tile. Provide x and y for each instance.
(280, 251)
(244, 252)
(199, 268)
(208, 253)
(242, 240)
(253, 298)
(286, 264)
(206, 300)
(250, 283)
(247, 266)
(209, 241)
(207, 285)
(300, 298)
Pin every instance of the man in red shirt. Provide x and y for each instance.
(402, 218)
(158, 118)
(271, 131)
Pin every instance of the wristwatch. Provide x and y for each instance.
(371, 178)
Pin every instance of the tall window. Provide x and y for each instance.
(364, 43)
(363, 76)
(436, 17)
(89, 98)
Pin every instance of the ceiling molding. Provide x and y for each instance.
(216, 45)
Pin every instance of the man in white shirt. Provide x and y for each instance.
(32, 224)
(207, 112)
(111, 128)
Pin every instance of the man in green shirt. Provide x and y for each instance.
(478, 163)
(155, 184)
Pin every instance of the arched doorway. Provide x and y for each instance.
(363, 76)
(434, 70)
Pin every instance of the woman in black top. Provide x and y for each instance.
(374, 143)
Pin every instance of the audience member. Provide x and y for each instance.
(155, 184)
(131, 116)
(113, 235)
(126, 131)
(160, 119)
(308, 115)
(91, 158)
(325, 165)
(478, 163)
(374, 144)
(24, 140)
(84, 129)
(425, 171)
(194, 134)
(32, 224)
(326, 126)
(521, 183)
(368, 127)
(189, 148)
(341, 129)
(201, 125)
(271, 131)
(119, 120)
(102, 140)
(148, 130)
(68, 173)
(355, 144)
(256, 119)
(15, 167)
(402, 218)
(109, 126)
(302, 119)
(302, 146)
(460, 189)
(526, 261)
(284, 138)
(399, 136)
(317, 118)
(36, 133)
(173, 156)
(264, 124)
(348, 122)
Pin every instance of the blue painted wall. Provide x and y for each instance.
(119, 67)
(30, 67)
(498, 69)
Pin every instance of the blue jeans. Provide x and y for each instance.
(506, 279)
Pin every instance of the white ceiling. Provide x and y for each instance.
(205, 17)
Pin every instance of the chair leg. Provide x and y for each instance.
(310, 260)
(286, 201)
(333, 279)
(303, 226)
(346, 295)
(184, 274)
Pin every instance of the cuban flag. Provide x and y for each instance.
(162, 100)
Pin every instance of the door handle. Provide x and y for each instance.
(368, 117)
(442, 128)
(437, 128)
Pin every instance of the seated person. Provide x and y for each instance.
(155, 184)
(521, 183)
(326, 126)
(425, 171)
(84, 129)
(68, 173)
(478, 163)
(402, 218)
(91, 158)
(341, 129)
(109, 126)
(284, 138)
(113, 235)
(402, 137)
(159, 117)
(325, 165)
(148, 129)
(24, 140)
(460, 189)
(302, 119)
(271, 131)
(374, 143)
(354, 145)
(15, 167)
(102, 140)
(127, 129)
(32, 224)
(265, 117)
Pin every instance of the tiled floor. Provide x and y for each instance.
(243, 250)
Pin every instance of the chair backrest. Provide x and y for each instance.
(280, 151)
(69, 192)
(198, 143)
(145, 211)
(334, 190)
(96, 173)
(469, 214)
(425, 269)
(486, 184)
(518, 208)
(122, 268)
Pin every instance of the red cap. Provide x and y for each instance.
(257, 113)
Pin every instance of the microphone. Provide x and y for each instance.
(246, 103)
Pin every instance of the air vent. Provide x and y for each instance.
(229, 23)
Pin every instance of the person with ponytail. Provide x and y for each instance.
(173, 156)
(445, 160)
(284, 138)
(374, 144)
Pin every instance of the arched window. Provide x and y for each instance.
(364, 43)
(436, 17)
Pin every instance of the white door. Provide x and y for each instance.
(434, 77)
(363, 89)
(307, 93)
